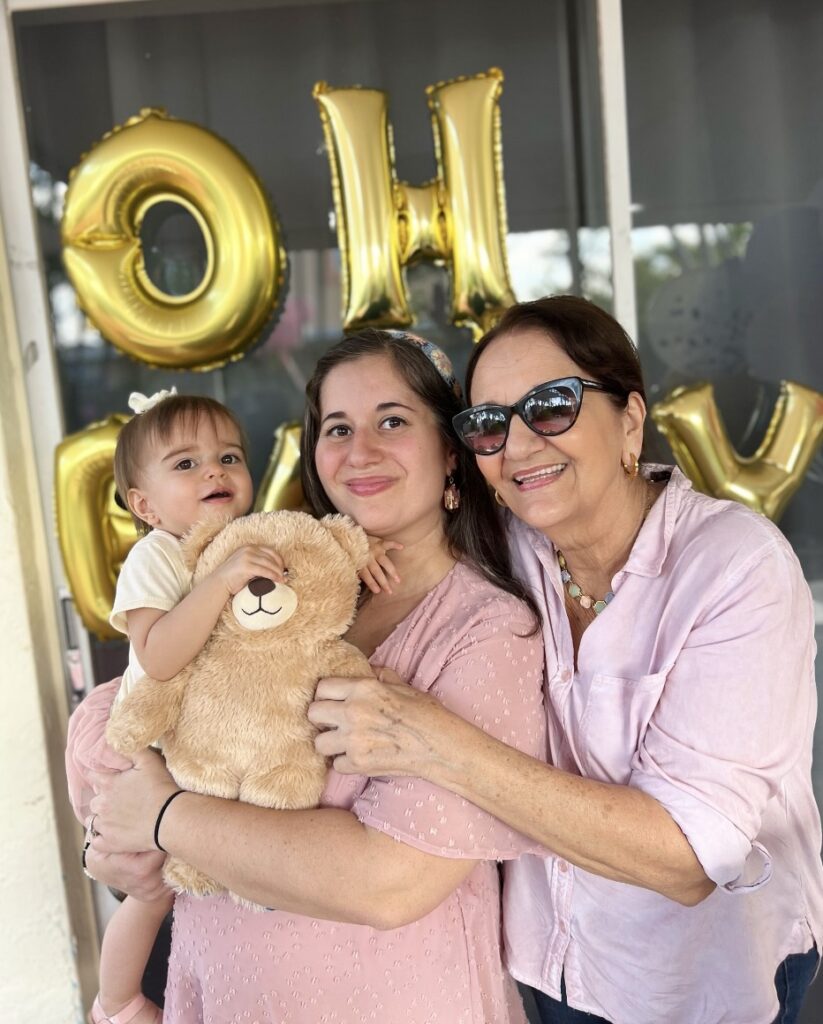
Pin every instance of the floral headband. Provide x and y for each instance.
(436, 356)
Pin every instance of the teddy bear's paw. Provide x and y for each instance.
(194, 774)
(122, 737)
(183, 877)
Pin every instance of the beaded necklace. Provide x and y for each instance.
(575, 591)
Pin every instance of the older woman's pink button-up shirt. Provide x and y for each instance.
(696, 685)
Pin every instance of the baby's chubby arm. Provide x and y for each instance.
(165, 642)
(379, 571)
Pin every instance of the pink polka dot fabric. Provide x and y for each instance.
(466, 643)
(230, 965)
(233, 965)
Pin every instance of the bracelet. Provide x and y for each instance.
(160, 814)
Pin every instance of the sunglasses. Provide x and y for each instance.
(549, 409)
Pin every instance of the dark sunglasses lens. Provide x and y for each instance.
(484, 430)
(551, 411)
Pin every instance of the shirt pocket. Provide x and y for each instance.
(614, 721)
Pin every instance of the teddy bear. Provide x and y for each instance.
(233, 722)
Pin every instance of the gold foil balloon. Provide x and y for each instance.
(384, 224)
(281, 487)
(95, 534)
(690, 420)
(150, 159)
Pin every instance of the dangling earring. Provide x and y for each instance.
(451, 495)
(499, 500)
(632, 468)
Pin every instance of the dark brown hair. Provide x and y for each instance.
(585, 332)
(474, 532)
(158, 424)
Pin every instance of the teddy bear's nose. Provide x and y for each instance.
(260, 586)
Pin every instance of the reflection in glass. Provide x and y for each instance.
(174, 251)
(727, 173)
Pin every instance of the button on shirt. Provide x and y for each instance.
(696, 685)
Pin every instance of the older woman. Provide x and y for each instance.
(684, 882)
(387, 900)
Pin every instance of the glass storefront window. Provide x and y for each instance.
(727, 177)
(246, 73)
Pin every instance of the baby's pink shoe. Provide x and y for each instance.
(128, 1013)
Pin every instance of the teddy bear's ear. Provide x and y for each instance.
(351, 538)
(198, 538)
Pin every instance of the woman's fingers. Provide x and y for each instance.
(343, 765)
(138, 874)
(126, 804)
(338, 700)
(339, 687)
(372, 726)
(148, 762)
(343, 710)
(330, 743)
(332, 705)
(326, 714)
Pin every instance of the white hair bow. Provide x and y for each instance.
(142, 403)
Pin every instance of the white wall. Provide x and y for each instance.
(40, 969)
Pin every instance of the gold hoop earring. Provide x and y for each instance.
(499, 500)
(633, 468)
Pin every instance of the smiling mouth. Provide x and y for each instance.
(546, 473)
(368, 485)
(262, 609)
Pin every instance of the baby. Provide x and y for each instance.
(180, 459)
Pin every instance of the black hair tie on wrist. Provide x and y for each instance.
(160, 814)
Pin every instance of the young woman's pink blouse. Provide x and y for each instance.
(695, 685)
(466, 643)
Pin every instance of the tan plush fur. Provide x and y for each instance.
(233, 723)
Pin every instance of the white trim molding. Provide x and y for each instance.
(616, 158)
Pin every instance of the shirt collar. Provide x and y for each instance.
(652, 545)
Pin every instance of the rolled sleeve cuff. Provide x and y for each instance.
(730, 860)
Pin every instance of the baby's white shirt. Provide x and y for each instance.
(153, 576)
